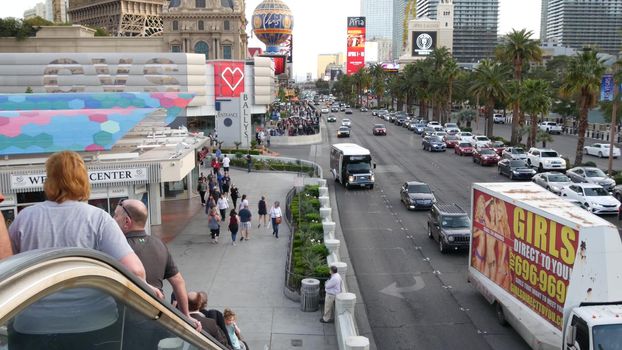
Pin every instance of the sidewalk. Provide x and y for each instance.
(247, 278)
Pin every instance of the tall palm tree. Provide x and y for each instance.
(489, 84)
(536, 100)
(378, 81)
(517, 49)
(362, 80)
(582, 79)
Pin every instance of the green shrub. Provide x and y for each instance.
(320, 249)
(313, 217)
(322, 271)
(316, 227)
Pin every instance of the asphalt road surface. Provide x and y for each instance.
(416, 298)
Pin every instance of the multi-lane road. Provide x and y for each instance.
(415, 297)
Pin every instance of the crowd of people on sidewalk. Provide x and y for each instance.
(88, 318)
(300, 120)
(219, 194)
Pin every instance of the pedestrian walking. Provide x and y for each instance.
(213, 223)
(226, 183)
(245, 222)
(235, 194)
(202, 188)
(332, 288)
(243, 202)
(249, 162)
(262, 211)
(215, 165)
(234, 221)
(276, 216)
(222, 205)
(226, 161)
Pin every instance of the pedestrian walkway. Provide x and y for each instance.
(247, 278)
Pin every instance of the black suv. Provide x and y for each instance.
(450, 226)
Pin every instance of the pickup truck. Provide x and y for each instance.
(545, 160)
(550, 269)
(550, 127)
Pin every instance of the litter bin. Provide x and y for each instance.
(310, 295)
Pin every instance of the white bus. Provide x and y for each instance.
(351, 165)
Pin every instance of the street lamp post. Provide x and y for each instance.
(613, 126)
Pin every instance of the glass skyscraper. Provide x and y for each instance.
(385, 21)
(475, 27)
(576, 24)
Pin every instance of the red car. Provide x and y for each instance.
(485, 156)
(379, 129)
(498, 146)
(463, 148)
(451, 140)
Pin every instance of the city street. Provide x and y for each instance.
(415, 297)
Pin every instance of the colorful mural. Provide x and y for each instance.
(45, 123)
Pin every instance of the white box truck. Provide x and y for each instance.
(552, 270)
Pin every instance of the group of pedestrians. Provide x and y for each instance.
(88, 318)
(217, 190)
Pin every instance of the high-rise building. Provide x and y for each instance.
(578, 24)
(324, 60)
(475, 27)
(385, 20)
(37, 11)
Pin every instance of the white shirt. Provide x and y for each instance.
(242, 203)
(275, 212)
(333, 285)
(225, 162)
(222, 203)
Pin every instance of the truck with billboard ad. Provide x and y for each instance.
(351, 165)
(552, 270)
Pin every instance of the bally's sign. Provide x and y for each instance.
(95, 177)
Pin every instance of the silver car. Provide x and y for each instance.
(552, 181)
(591, 175)
(514, 153)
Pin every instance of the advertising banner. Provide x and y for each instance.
(355, 45)
(528, 255)
(423, 43)
(228, 78)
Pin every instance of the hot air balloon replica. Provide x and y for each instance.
(273, 23)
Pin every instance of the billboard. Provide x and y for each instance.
(529, 256)
(355, 45)
(228, 78)
(423, 43)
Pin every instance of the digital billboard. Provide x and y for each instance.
(423, 43)
(528, 255)
(355, 45)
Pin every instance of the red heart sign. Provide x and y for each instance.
(229, 78)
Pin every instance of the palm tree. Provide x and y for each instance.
(378, 81)
(362, 80)
(544, 137)
(536, 100)
(582, 79)
(489, 85)
(518, 49)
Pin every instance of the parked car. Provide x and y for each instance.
(463, 148)
(379, 129)
(465, 136)
(498, 118)
(485, 156)
(417, 195)
(545, 159)
(417, 128)
(348, 111)
(591, 175)
(498, 146)
(552, 181)
(481, 141)
(346, 122)
(450, 226)
(433, 144)
(515, 169)
(451, 140)
(343, 131)
(550, 127)
(617, 192)
(601, 150)
(593, 197)
(514, 153)
(331, 119)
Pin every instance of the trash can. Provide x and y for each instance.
(310, 295)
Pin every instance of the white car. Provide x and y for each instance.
(433, 124)
(325, 111)
(452, 130)
(481, 141)
(593, 198)
(465, 136)
(346, 122)
(545, 159)
(552, 181)
(550, 127)
(515, 153)
(498, 119)
(440, 134)
(601, 150)
(450, 125)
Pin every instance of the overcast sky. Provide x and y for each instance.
(320, 25)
